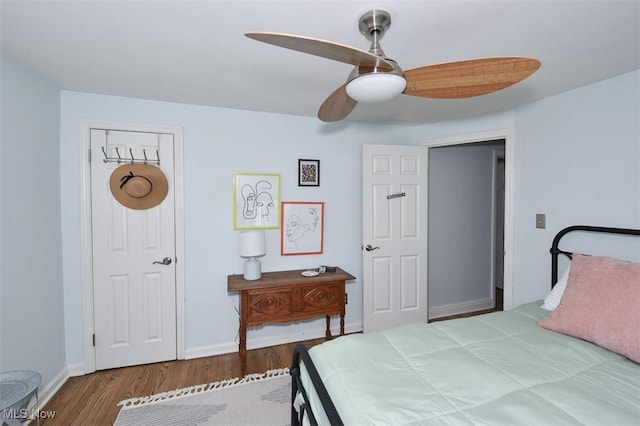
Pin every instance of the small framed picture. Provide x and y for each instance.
(302, 228)
(308, 172)
(256, 200)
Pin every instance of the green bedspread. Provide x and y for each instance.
(494, 369)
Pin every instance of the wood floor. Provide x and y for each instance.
(92, 399)
(498, 307)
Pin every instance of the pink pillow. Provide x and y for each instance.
(601, 304)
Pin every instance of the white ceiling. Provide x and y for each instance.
(195, 52)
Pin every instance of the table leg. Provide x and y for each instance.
(242, 334)
(242, 349)
(327, 333)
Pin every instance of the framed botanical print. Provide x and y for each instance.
(256, 200)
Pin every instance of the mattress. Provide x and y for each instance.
(493, 369)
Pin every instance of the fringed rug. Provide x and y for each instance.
(256, 399)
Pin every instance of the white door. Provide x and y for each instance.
(394, 235)
(134, 295)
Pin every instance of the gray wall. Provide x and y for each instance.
(460, 223)
(217, 143)
(32, 333)
(577, 159)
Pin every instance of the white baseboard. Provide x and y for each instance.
(76, 370)
(263, 342)
(203, 351)
(46, 392)
(461, 308)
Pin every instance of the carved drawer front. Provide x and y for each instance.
(271, 303)
(322, 298)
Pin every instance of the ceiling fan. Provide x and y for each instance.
(376, 78)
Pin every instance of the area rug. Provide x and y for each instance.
(256, 399)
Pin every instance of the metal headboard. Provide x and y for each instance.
(555, 251)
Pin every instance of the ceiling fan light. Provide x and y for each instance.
(376, 87)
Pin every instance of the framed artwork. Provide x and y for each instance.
(308, 172)
(256, 200)
(302, 228)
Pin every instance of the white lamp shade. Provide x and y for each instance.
(376, 87)
(252, 244)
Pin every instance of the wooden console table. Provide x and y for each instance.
(286, 296)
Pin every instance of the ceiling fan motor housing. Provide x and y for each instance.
(373, 25)
(360, 71)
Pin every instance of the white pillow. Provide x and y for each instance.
(553, 299)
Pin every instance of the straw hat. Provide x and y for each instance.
(139, 186)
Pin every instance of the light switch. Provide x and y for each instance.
(541, 220)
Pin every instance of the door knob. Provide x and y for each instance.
(165, 261)
(369, 248)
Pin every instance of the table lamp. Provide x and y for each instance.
(252, 246)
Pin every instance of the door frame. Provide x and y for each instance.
(86, 238)
(509, 187)
(496, 156)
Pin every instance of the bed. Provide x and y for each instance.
(531, 365)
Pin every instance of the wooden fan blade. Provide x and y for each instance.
(465, 79)
(323, 48)
(337, 106)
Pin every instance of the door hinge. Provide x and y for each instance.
(94, 340)
(89, 154)
(346, 298)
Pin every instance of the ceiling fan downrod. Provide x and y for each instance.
(373, 25)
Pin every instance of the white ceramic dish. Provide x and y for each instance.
(309, 273)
